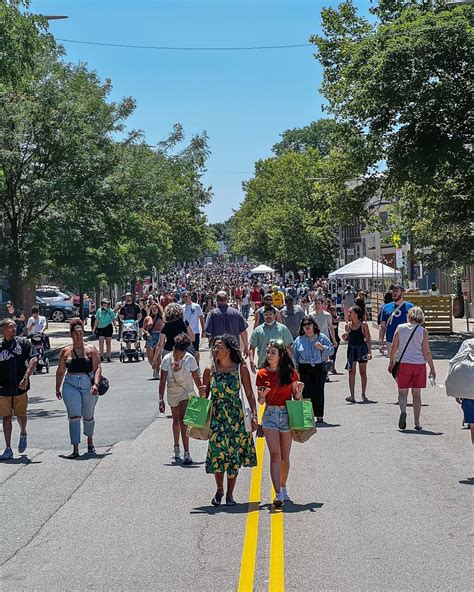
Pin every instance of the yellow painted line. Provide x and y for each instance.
(277, 551)
(249, 551)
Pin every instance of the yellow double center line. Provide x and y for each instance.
(249, 552)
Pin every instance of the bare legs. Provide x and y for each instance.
(8, 427)
(231, 481)
(279, 446)
(363, 379)
(179, 427)
(402, 401)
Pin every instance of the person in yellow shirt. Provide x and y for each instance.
(278, 298)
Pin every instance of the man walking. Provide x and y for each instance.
(17, 363)
(348, 300)
(193, 314)
(226, 319)
(393, 314)
(291, 316)
(262, 334)
(323, 319)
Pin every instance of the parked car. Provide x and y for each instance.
(53, 293)
(57, 310)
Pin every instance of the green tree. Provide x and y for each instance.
(405, 81)
(322, 135)
(281, 219)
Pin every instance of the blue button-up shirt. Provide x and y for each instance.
(304, 351)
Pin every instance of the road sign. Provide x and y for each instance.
(399, 258)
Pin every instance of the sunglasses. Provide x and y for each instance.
(307, 324)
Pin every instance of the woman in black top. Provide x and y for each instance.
(174, 325)
(357, 335)
(80, 362)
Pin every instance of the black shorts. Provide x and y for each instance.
(197, 341)
(105, 331)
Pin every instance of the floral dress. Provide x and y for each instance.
(230, 445)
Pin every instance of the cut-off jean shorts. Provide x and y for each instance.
(276, 418)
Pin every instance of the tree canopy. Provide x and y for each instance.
(80, 204)
(405, 82)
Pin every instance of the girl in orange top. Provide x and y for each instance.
(278, 382)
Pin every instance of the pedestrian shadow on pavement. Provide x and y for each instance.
(86, 456)
(21, 460)
(37, 413)
(468, 481)
(408, 404)
(289, 507)
(367, 402)
(421, 432)
(327, 425)
(194, 465)
(240, 508)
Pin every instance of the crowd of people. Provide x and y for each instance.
(291, 352)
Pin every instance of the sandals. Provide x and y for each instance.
(73, 455)
(418, 428)
(90, 450)
(230, 501)
(216, 500)
(364, 399)
(277, 502)
(350, 400)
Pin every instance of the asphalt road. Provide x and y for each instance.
(373, 508)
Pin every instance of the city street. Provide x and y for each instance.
(373, 508)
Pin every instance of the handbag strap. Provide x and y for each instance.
(406, 345)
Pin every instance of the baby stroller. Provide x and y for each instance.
(38, 343)
(130, 336)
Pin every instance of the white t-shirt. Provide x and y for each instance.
(37, 325)
(192, 312)
(188, 364)
(323, 319)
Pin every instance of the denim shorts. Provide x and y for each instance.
(276, 418)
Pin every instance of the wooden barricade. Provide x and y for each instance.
(438, 310)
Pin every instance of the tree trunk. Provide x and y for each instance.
(81, 304)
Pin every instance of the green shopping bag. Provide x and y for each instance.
(197, 411)
(300, 414)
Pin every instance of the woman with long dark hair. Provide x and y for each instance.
(278, 382)
(151, 331)
(359, 345)
(230, 445)
(311, 350)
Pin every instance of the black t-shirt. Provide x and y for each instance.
(171, 329)
(130, 311)
(14, 358)
(15, 315)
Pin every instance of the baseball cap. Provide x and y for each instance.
(397, 287)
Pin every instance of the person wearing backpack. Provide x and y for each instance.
(393, 314)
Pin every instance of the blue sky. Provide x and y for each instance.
(243, 100)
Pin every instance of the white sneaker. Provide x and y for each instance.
(284, 495)
(187, 460)
(177, 453)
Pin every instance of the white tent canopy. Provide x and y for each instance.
(262, 269)
(364, 268)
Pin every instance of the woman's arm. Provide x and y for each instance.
(197, 381)
(328, 347)
(427, 352)
(206, 380)
(190, 334)
(159, 350)
(245, 376)
(96, 368)
(61, 371)
(368, 338)
(161, 390)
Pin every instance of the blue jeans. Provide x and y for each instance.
(245, 311)
(276, 418)
(79, 403)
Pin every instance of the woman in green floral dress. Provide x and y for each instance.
(230, 445)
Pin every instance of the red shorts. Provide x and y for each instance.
(411, 376)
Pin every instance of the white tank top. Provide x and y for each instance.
(414, 351)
